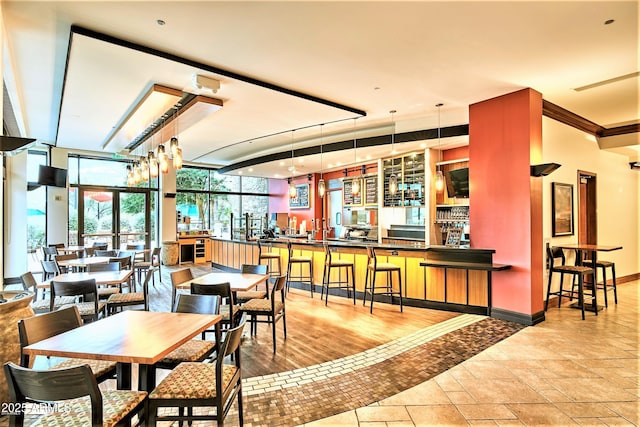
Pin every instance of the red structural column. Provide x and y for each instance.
(505, 138)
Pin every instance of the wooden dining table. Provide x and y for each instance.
(592, 250)
(131, 336)
(240, 282)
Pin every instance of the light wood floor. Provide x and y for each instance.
(315, 333)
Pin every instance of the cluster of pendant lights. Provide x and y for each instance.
(154, 163)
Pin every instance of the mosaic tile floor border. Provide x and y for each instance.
(319, 399)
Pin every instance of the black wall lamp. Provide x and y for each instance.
(543, 169)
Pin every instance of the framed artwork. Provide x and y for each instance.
(302, 199)
(562, 209)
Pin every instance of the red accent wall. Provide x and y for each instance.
(505, 203)
(455, 153)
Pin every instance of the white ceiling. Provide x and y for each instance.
(369, 56)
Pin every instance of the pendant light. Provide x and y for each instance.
(393, 178)
(293, 191)
(322, 187)
(153, 160)
(130, 179)
(439, 184)
(174, 145)
(355, 185)
(163, 160)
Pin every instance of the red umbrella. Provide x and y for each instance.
(99, 196)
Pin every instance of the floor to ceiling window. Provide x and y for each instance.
(103, 209)
(206, 200)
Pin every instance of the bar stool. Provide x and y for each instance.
(378, 267)
(602, 264)
(575, 270)
(329, 263)
(300, 260)
(264, 252)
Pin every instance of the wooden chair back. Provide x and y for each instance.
(177, 278)
(199, 304)
(28, 282)
(49, 252)
(124, 262)
(107, 266)
(38, 328)
(49, 269)
(254, 268)
(86, 289)
(100, 246)
(27, 385)
(554, 253)
(107, 253)
(221, 289)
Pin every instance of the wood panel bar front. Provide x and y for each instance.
(463, 285)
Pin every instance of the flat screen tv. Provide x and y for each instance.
(458, 182)
(54, 177)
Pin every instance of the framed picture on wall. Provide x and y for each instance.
(301, 201)
(562, 209)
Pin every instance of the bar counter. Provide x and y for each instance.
(440, 277)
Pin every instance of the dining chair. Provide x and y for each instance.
(138, 257)
(41, 305)
(64, 257)
(195, 350)
(70, 386)
(190, 385)
(555, 253)
(244, 296)
(374, 266)
(179, 277)
(49, 269)
(105, 292)
(37, 328)
(602, 265)
(268, 310)
(125, 259)
(89, 252)
(119, 300)
(229, 310)
(154, 261)
(48, 252)
(86, 291)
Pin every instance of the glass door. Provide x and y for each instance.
(95, 217)
(112, 217)
(133, 222)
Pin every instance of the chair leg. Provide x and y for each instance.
(581, 294)
(613, 277)
(353, 282)
(400, 288)
(604, 285)
(366, 285)
(273, 332)
(546, 303)
(311, 277)
(240, 408)
(372, 289)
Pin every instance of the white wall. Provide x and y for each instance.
(15, 206)
(617, 188)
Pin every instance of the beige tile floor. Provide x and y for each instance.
(561, 372)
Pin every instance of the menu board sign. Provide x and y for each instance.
(348, 198)
(371, 190)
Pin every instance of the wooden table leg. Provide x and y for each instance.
(123, 376)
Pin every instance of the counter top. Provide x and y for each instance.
(357, 244)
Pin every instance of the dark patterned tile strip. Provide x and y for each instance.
(320, 399)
